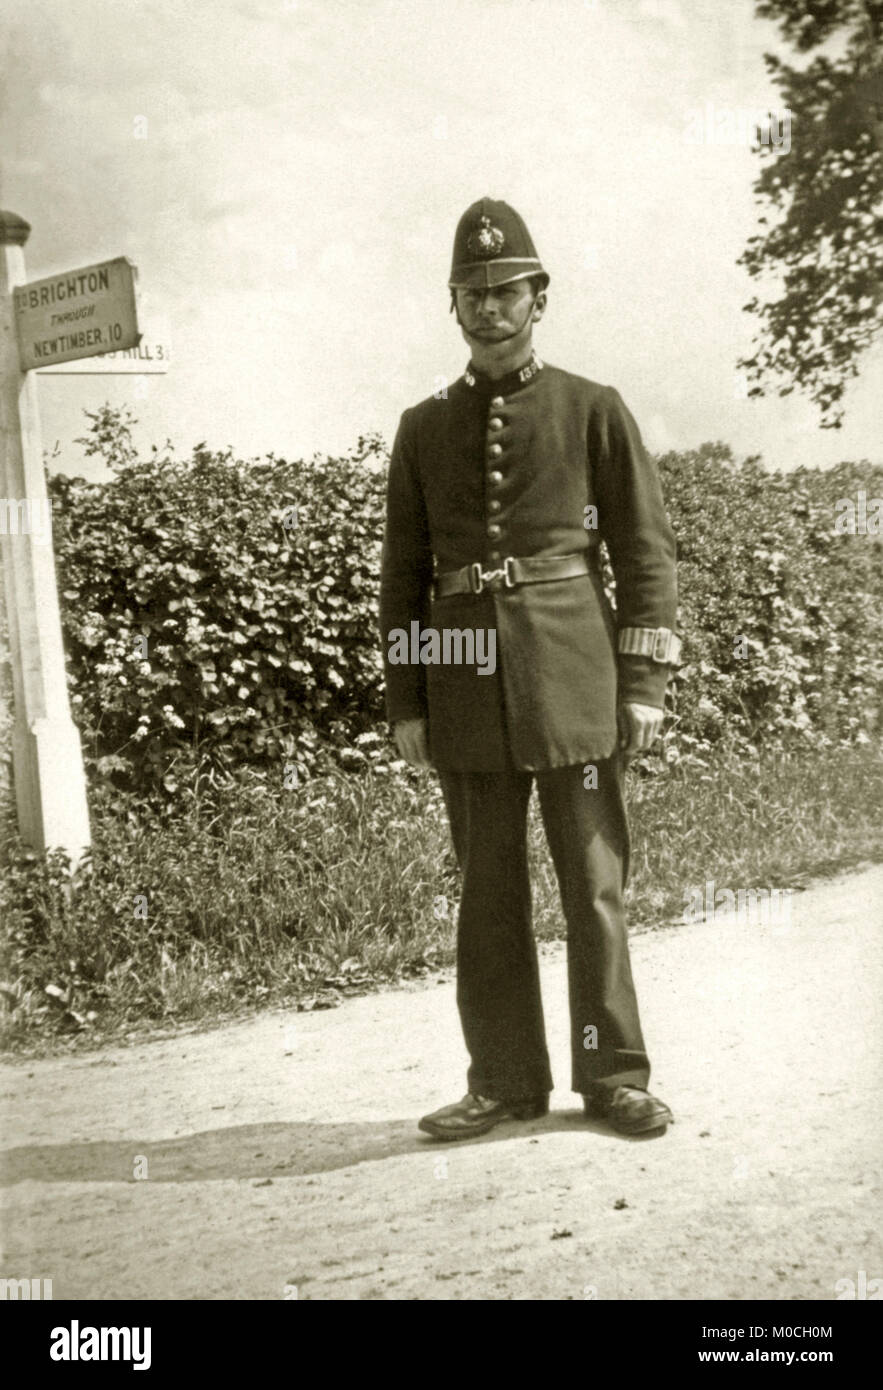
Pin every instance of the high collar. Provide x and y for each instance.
(503, 386)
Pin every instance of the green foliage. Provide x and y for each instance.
(208, 623)
(822, 216)
(239, 890)
(223, 606)
(5, 702)
(109, 436)
(759, 560)
(207, 620)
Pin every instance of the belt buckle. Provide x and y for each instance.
(480, 579)
(665, 636)
(490, 578)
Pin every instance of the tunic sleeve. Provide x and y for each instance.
(405, 576)
(633, 522)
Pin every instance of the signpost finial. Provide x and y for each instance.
(14, 230)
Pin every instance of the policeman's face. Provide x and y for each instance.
(492, 315)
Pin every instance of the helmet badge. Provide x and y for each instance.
(485, 240)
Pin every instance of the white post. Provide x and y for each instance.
(47, 761)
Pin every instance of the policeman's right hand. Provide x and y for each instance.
(412, 741)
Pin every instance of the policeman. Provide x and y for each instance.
(500, 491)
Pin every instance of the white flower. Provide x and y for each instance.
(172, 718)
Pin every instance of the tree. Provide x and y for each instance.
(820, 196)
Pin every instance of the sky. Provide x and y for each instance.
(287, 176)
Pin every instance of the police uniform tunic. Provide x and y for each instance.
(509, 468)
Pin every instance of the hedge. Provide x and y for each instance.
(226, 607)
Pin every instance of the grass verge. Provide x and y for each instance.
(244, 894)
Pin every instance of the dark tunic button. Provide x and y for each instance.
(497, 402)
(494, 531)
(494, 506)
(496, 555)
(495, 423)
(495, 450)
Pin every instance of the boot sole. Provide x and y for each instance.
(646, 1127)
(642, 1127)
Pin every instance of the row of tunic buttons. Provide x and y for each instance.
(495, 477)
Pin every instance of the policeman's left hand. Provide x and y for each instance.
(638, 727)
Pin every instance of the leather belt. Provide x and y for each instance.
(516, 569)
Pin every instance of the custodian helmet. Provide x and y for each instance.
(491, 247)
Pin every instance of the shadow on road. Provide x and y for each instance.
(257, 1151)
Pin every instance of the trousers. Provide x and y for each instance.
(498, 984)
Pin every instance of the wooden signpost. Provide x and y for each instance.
(56, 320)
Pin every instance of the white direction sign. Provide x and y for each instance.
(77, 314)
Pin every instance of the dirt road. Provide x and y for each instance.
(279, 1157)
